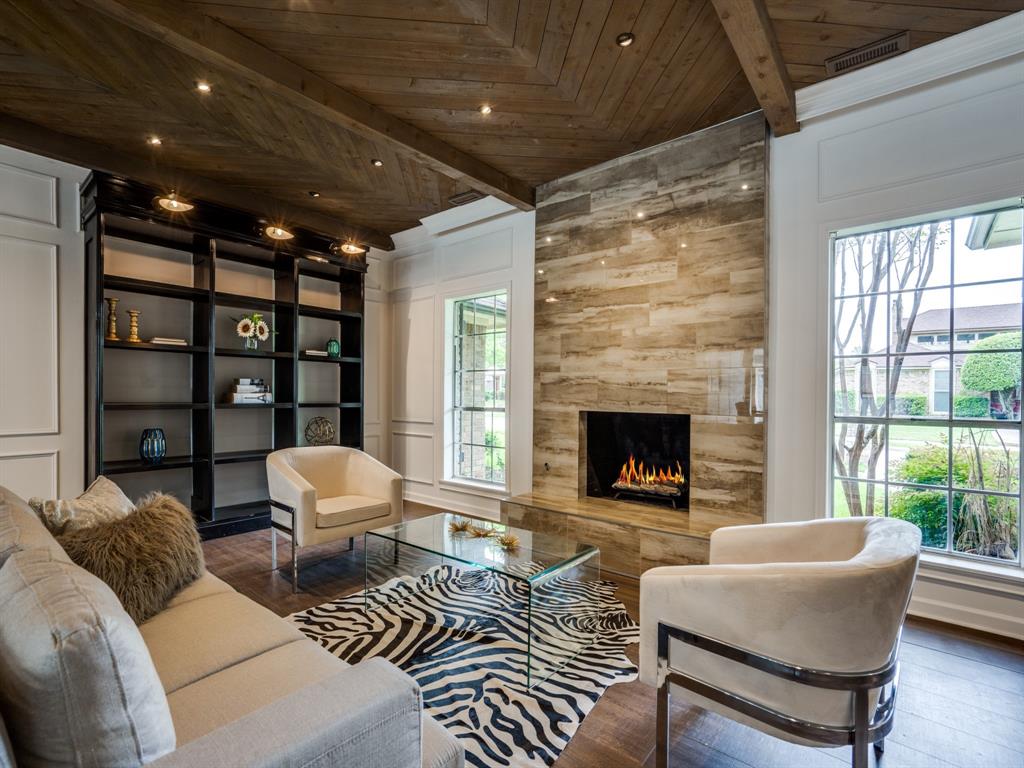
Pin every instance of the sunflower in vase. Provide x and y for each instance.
(253, 329)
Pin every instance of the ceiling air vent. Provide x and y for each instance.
(464, 197)
(868, 54)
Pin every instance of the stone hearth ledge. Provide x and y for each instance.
(632, 537)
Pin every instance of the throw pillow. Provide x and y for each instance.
(79, 688)
(146, 557)
(100, 502)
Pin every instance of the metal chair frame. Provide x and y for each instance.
(864, 731)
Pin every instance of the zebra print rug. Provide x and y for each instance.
(462, 635)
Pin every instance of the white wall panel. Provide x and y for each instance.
(30, 474)
(372, 379)
(28, 195)
(412, 271)
(413, 371)
(413, 456)
(28, 338)
(477, 255)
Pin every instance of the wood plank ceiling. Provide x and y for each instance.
(563, 95)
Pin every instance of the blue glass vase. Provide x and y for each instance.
(152, 445)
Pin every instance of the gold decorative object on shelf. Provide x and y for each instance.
(508, 541)
(112, 319)
(460, 525)
(133, 326)
(479, 532)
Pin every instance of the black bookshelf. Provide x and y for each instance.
(214, 237)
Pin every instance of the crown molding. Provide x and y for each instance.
(990, 43)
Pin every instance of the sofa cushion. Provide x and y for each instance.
(198, 638)
(440, 748)
(102, 501)
(347, 510)
(146, 556)
(77, 685)
(225, 696)
(204, 586)
(21, 528)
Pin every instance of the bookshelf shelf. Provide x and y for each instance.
(207, 260)
(146, 346)
(137, 465)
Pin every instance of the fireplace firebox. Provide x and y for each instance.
(640, 457)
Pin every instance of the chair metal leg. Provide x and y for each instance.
(351, 543)
(663, 716)
(273, 548)
(860, 729)
(295, 566)
(396, 553)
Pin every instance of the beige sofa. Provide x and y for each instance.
(243, 686)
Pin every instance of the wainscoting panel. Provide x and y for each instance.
(30, 474)
(413, 270)
(28, 344)
(477, 255)
(28, 195)
(413, 334)
(413, 456)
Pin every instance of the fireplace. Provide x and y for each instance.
(639, 457)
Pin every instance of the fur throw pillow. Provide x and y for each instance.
(100, 502)
(146, 557)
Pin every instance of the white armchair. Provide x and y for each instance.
(792, 629)
(328, 493)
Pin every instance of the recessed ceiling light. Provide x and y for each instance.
(682, 245)
(203, 87)
(602, 261)
(352, 249)
(540, 271)
(278, 233)
(318, 259)
(547, 239)
(154, 141)
(313, 193)
(550, 300)
(174, 204)
(625, 39)
(485, 109)
(745, 187)
(376, 163)
(639, 214)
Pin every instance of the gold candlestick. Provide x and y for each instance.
(112, 319)
(133, 326)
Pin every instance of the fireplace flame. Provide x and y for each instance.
(633, 474)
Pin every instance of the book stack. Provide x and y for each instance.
(316, 352)
(249, 391)
(165, 340)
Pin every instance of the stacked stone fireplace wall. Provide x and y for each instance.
(651, 297)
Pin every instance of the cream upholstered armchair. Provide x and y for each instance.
(792, 629)
(328, 493)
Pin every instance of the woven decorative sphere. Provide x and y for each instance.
(320, 431)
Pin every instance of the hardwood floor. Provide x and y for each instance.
(961, 700)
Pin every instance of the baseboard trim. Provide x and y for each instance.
(969, 617)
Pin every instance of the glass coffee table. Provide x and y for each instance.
(530, 592)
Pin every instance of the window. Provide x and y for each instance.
(476, 384)
(934, 436)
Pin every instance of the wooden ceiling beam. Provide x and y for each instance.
(30, 137)
(752, 36)
(209, 40)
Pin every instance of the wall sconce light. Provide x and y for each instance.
(275, 232)
(350, 248)
(171, 202)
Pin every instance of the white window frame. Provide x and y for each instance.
(448, 476)
(954, 562)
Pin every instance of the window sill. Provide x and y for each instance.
(488, 490)
(987, 577)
